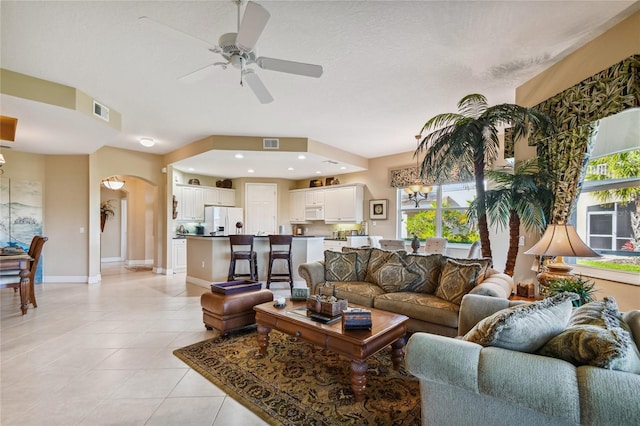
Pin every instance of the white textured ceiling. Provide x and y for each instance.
(388, 67)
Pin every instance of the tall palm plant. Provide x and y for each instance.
(517, 197)
(468, 142)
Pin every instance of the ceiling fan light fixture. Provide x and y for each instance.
(113, 183)
(148, 142)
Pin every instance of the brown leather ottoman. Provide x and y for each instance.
(228, 312)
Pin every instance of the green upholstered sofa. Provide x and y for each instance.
(464, 383)
(412, 285)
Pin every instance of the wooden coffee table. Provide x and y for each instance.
(358, 345)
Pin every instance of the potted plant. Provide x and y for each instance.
(578, 285)
(468, 141)
(106, 211)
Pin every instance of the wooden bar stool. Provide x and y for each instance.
(280, 248)
(242, 241)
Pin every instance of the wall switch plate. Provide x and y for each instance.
(521, 241)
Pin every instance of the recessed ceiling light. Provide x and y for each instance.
(318, 172)
(191, 169)
(301, 157)
(343, 168)
(148, 142)
(251, 171)
(290, 168)
(238, 155)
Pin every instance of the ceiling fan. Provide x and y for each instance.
(239, 50)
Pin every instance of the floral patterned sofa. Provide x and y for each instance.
(426, 288)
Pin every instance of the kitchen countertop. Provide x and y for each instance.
(255, 236)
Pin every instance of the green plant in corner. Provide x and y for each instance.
(106, 211)
(578, 285)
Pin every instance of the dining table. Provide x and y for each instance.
(19, 261)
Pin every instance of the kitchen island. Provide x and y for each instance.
(208, 258)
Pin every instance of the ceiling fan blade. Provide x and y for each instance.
(299, 68)
(200, 73)
(169, 31)
(257, 86)
(254, 20)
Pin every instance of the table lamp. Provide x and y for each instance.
(559, 240)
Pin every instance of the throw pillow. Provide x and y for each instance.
(485, 262)
(596, 335)
(524, 328)
(393, 275)
(428, 268)
(377, 258)
(362, 262)
(456, 280)
(340, 266)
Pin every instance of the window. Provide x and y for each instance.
(608, 210)
(442, 214)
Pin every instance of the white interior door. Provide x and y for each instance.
(261, 208)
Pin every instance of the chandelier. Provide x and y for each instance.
(417, 191)
(113, 183)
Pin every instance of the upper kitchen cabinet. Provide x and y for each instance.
(219, 197)
(190, 202)
(344, 204)
(314, 197)
(297, 206)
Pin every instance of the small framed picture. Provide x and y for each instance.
(378, 209)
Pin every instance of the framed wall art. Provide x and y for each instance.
(378, 209)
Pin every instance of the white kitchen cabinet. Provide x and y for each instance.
(219, 197)
(297, 206)
(314, 197)
(344, 204)
(179, 255)
(192, 208)
(227, 197)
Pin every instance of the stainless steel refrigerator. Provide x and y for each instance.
(221, 220)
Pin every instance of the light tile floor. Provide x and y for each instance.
(102, 355)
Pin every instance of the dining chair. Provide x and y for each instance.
(435, 245)
(475, 251)
(393, 245)
(374, 241)
(11, 278)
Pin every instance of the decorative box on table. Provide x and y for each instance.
(237, 286)
(356, 319)
(326, 305)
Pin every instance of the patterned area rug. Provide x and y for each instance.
(297, 383)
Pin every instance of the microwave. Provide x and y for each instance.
(314, 213)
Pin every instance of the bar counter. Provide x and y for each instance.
(208, 258)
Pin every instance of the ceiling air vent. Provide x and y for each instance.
(100, 110)
(270, 143)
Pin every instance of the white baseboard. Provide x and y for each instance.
(53, 279)
(199, 282)
(110, 259)
(139, 262)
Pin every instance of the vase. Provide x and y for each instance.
(415, 243)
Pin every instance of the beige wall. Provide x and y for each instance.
(71, 205)
(146, 231)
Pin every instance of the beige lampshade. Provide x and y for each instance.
(561, 240)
